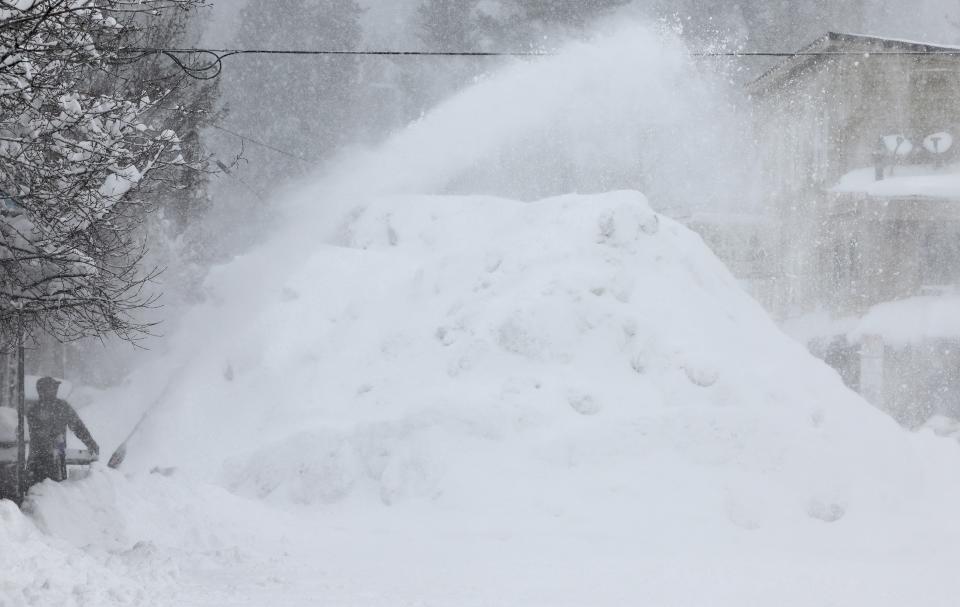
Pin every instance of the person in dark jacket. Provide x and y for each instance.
(48, 421)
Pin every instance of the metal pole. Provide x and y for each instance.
(21, 421)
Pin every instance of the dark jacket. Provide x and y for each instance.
(47, 422)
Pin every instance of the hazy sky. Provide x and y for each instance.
(387, 22)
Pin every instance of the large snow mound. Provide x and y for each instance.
(482, 401)
(464, 350)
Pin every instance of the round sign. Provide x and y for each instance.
(898, 145)
(938, 143)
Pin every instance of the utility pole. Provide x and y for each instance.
(21, 419)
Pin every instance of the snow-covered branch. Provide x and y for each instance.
(80, 145)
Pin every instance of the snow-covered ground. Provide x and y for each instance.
(471, 400)
(474, 401)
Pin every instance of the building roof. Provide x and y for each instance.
(818, 52)
(901, 322)
(919, 181)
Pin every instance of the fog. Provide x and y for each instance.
(491, 125)
(317, 109)
(651, 292)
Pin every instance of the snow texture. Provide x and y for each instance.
(903, 322)
(906, 181)
(469, 400)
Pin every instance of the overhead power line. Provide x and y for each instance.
(249, 139)
(210, 63)
(219, 54)
(224, 53)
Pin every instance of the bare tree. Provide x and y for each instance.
(81, 146)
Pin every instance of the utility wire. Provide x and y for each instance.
(219, 55)
(223, 167)
(224, 53)
(264, 145)
(244, 138)
(227, 52)
(211, 63)
(207, 63)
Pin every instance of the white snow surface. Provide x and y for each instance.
(480, 321)
(912, 320)
(902, 322)
(474, 401)
(439, 400)
(909, 180)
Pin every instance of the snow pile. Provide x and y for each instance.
(107, 539)
(475, 400)
(519, 403)
(41, 570)
(473, 350)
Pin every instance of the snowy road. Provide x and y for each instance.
(146, 539)
(376, 564)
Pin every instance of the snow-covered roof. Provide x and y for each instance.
(902, 322)
(903, 43)
(923, 181)
(837, 42)
(912, 320)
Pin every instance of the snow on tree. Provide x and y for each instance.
(188, 107)
(81, 147)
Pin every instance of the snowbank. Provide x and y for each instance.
(521, 403)
(109, 539)
(41, 570)
(469, 350)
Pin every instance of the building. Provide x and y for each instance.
(862, 174)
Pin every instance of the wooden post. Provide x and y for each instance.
(21, 421)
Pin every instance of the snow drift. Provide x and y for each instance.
(456, 349)
(106, 539)
(475, 400)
